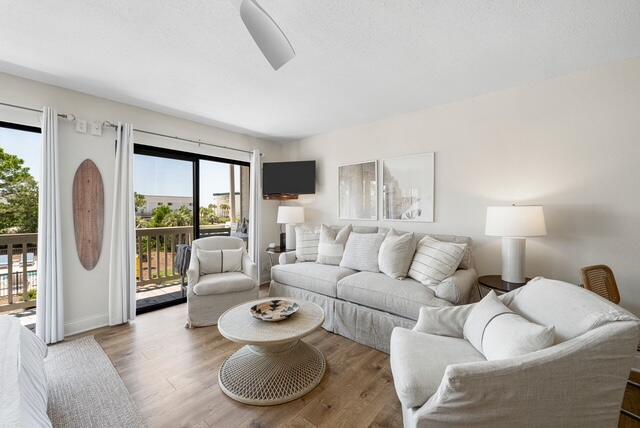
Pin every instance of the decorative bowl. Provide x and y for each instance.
(274, 310)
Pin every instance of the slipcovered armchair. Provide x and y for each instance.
(209, 295)
(579, 381)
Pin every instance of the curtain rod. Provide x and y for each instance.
(67, 116)
(175, 137)
(70, 116)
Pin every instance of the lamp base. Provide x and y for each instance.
(513, 260)
(283, 241)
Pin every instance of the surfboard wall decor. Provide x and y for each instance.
(88, 213)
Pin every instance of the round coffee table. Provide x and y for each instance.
(274, 366)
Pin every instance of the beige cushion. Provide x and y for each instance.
(419, 360)
(378, 291)
(361, 251)
(217, 261)
(223, 283)
(331, 245)
(396, 254)
(307, 241)
(311, 276)
(435, 260)
(497, 332)
(571, 309)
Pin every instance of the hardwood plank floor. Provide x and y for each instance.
(171, 373)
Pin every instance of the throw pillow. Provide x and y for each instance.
(396, 254)
(307, 244)
(435, 260)
(331, 244)
(218, 261)
(498, 332)
(465, 263)
(448, 290)
(361, 251)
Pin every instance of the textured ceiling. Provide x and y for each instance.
(357, 60)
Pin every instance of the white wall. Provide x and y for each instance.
(571, 144)
(86, 292)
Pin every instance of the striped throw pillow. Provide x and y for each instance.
(435, 260)
(307, 244)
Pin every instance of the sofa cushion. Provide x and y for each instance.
(498, 332)
(316, 277)
(361, 251)
(435, 260)
(572, 310)
(396, 253)
(378, 291)
(223, 283)
(307, 240)
(419, 360)
(331, 245)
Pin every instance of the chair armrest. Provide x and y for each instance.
(287, 258)
(443, 321)
(249, 267)
(579, 382)
(193, 271)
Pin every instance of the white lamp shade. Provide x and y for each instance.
(290, 215)
(515, 221)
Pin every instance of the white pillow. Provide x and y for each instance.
(448, 290)
(218, 261)
(396, 254)
(307, 244)
(498, 332)
(331, 245)
(361, 251)
(435, 260)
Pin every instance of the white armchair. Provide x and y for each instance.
(442, 381)
(208, 296)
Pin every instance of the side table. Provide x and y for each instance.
(495, 283)
(275, 251)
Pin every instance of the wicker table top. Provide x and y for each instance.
(237, 324)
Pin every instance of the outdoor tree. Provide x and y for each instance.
(140, 201)
(18, 196)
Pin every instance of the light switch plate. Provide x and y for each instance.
(96, 128)
(81, 126)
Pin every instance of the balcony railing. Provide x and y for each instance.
(155, 256)
(18, 266)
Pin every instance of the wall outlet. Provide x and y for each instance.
(96, 128)
(81, 126)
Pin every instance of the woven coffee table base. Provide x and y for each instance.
(265, 376)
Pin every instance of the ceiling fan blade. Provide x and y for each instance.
(265, 32)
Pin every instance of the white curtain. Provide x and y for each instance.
(49, 303)
(122, 276)
(255, 198)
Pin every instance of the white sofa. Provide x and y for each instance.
(208, 296)
(442, 381)
(365, 306)
(23, 380)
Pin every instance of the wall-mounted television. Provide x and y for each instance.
(288, 178)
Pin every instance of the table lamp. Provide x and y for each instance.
(289, 216)
(514, 224)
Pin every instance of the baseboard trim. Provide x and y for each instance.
(85, 324)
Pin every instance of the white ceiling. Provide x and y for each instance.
(357, 60)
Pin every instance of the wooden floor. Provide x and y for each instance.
(171, 372)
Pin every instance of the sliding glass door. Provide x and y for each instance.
(179, 197)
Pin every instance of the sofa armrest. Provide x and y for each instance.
(249, 267)
(193, 271)
(443, 321)
(287, 258)
(579, 382)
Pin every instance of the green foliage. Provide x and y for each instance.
(32, 294)
(18, 196)
(208, 216)
(140, 201)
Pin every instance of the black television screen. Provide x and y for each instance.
(289, 178)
